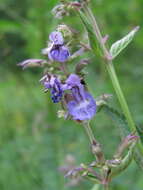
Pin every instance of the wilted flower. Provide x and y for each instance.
(80, 104)
(53, 83)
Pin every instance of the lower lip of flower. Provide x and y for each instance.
(83, 110)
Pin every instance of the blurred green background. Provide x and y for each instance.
(33, 142)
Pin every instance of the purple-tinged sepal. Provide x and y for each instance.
(32, 63)
(125, 144)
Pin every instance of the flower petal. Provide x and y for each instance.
(83, 110)
(59, 54)
(56, 38)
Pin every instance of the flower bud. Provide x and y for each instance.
(32, 63)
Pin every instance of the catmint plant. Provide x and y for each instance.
(70, 90)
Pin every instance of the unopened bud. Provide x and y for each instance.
(32, 63)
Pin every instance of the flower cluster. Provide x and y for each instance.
(71, 91)
(53, 83)
(79, 103)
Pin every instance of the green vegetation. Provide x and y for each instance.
(33, 141)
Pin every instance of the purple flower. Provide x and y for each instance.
(53, 83)
(81, 105)
(59, 53)
(56, 38)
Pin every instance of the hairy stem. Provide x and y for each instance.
(113, 76)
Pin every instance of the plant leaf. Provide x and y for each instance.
(119, 45)
(92, 37)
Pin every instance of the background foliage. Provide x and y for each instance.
(33, 142)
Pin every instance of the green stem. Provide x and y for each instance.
(95, 146)
(113, 76)
(120, 95)
(89, 132)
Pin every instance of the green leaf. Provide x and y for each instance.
(118, 46)
(92, 37)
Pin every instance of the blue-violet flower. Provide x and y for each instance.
(81, 105)
(58, 51)
(56, 38)
(53, 83)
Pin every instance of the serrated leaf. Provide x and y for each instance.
(119, 45)
(92, 37)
